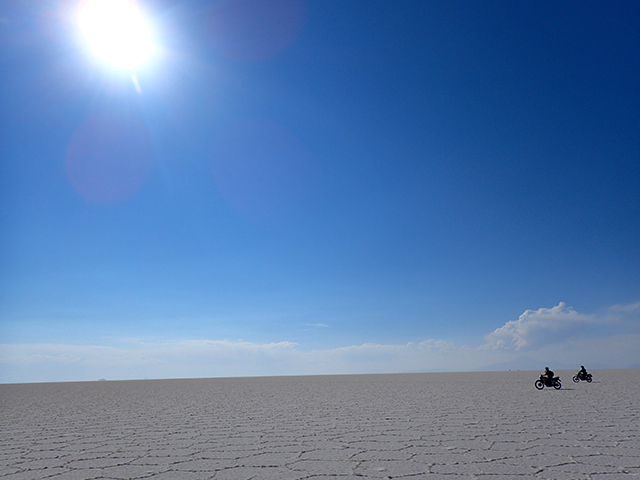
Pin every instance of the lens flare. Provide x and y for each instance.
(116, 31)
(109, 158)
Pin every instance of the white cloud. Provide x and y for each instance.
(61, 355)
(440, 345)
(561, 324)
(536, 328)
(631, 309)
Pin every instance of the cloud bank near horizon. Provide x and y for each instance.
(560, 324)
(537, 327)
(610, 338)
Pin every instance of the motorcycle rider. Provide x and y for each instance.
(549, 374)
(582, 374)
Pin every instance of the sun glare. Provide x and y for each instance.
(116, 31)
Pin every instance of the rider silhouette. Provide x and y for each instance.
(583, 372)
(549, 374)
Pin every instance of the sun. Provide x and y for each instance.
(116, 31)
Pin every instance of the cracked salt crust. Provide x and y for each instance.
(437, 426)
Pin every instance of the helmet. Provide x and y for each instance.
(546, 368)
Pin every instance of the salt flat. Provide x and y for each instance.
(494, 425)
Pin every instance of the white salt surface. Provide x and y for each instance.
(434, 425)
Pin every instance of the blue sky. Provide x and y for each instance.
(302, 187)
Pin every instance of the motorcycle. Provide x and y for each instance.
(585, 377)
(545, 381)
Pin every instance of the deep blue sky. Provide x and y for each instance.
(333, 174)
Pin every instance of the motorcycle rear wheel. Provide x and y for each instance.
(557, 385)
(576, 378)
(539, 385)
(589, 379)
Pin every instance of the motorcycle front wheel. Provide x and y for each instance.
(576, 378)
(557, 385)
(539, 385)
